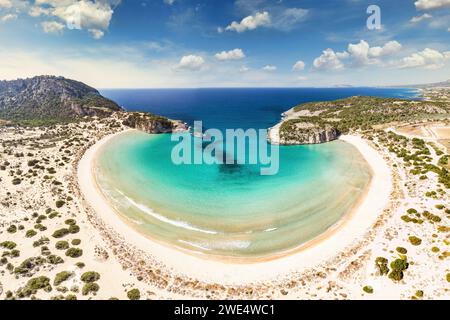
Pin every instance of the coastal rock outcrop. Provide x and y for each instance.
(151, 123)
(292, 132)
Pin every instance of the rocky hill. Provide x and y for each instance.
(320, 122)
(45, 99)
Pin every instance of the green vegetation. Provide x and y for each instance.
(398, 267)
(134, 294)
(76, 242)
(415, 241)
(8, 245)
(74, 252)
(90, 287)
(59, 203)
(382, 265)
(60, 233)
(33, 285)
(402, 250)
(62, 245)
(368, 289)
(30, 233)
(61, 277)
(90, 276)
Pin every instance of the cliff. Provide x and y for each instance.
(150, 123)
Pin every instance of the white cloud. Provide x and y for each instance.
(96, 34)
(244, 69)
(330, 60)
(37, 11)
(431, 4)
(169, 2)
(362, 54)
(421, 18)
(269, 68)
(287, 19)
(236, 54)
(427, 59)
(191, 62)
(299, 66)
(250, 22)
(52, 27)
(8, 17)
(302, 78)
(5, 4)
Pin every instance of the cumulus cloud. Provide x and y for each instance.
(431, 4)
(427, 59)
(250, 23)
(418, 19)
(5, 4)
(362, 54)
(8, 17)
(269, 68)
(236, 54)
(52, 27)
(299, 66)
(191, 62)
(96, 34)
(169, 2)
(330, 60)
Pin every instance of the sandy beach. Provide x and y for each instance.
(352, 227)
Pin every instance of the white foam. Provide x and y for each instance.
(176, 223)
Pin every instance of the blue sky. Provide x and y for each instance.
(228, 43)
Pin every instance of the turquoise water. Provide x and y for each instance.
(230, 210)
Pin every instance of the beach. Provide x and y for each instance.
(352, 226)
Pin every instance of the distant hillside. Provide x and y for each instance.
(443, 84)
(45, 99)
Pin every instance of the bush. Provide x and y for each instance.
(74, 252)
(12, 229)
(419, 294)
(70, 222)
(76, 242)
(59, 203)
(368, 289)
(60, 233)
(8, 245)
(396, 275)
(73, 228)
(134, 294)
(90, 287)
(415, 241)
(90, 276)
(381, 264)
(62, 245)
(399, 265)
(402, 250)
(80, 265)
(61, 277)
(448, 277)
(30, 233)
(54, 259)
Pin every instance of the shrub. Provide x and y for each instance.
(368, 289)
(381, 264)
(70, 221)
(402, 250)
(440, 206)
(54, 259)
(448, 277)
(399, 265)
(74, 252)
(415, 241)
(90, 276)
(80, 265)
(12, 229)
(90, 287)
(35, 284)
(73, 228)
(8, 245)
(62, 245)
(30, 233)
(76, 242)
(59, 203)
(61, 277)
(134, 294)
(41, 241)
(60, 233)
(419, 293)
(71, 297)
(396, 275)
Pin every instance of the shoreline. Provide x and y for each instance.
(351, 227)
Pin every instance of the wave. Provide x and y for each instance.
(176, 223)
